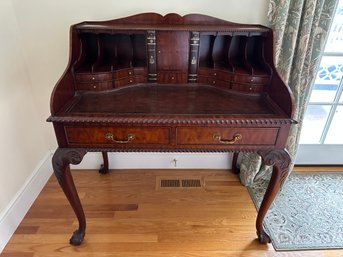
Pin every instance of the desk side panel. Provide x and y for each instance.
(278, 90)
(64, 89)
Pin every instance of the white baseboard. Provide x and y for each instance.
(13, 214)
(15, 211)
(158, 161)
(319, 154)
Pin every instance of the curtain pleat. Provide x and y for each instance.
(301, 28)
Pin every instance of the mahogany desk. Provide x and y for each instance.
(170, 83)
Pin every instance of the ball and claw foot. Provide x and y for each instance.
(103, 169)
(77, 237)
(263, 238)
(236, 170)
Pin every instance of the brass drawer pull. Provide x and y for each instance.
(130, 137)
(235, 138)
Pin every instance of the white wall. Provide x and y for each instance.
(34, 38)
(21, 144)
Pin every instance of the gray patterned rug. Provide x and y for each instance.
(308, 212)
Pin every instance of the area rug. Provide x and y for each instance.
(308, 212)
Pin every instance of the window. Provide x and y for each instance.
(321, 140)
(323, 122)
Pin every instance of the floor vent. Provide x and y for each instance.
(191, 183)
(170, 183)
(179, 183)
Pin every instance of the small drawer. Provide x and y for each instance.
(130, 81)
(95, 86)
(227, 136)
(251, 88)
(171, 77)
(124, 82)
(93, 77)
(214, 82)
(251, 79)
(123, 73)
(222, 83)
(116, 135)
(215, 73)
(218, 82)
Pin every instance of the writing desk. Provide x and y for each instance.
(170, 84)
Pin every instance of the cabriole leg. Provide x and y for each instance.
(60, 162)
(234, 163)
(280, 160)
(104, 167)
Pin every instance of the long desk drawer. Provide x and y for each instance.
(116, 135)
(227, 136)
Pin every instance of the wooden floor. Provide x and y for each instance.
(130, 215)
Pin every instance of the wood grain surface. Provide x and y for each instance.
(129, 215)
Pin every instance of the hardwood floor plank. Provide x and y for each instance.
(17, 254)
(26, 230)
(128, 216)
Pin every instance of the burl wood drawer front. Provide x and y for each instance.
(116, 135)
(227, 136)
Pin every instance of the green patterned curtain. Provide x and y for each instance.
(301, 28)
